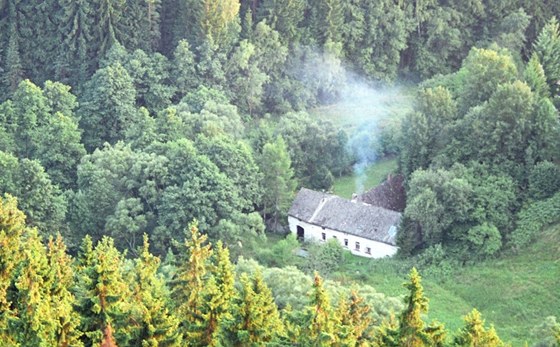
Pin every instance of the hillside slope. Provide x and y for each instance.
(514, 292)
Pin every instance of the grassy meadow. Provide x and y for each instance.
(514, 292)
(345, 186)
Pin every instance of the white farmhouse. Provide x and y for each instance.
(366, 230)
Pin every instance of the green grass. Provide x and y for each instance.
(345, 186)
(367, 106)
(514, 292)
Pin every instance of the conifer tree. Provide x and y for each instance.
(158, 326)
(108, 27)
(141, 25)
(326, 20)
(190, 279)
(256, 320)
(36, 323)
(536, 78)
(215, 306)
(321, 323)
(61, 279)
(13, 73)
(387, 335)
(283, 16)
(413, 332)
(474, 334)
(12, 229)
(184, 69)
(547, 49)
(76, 57)
(198, 21)
(103, 295)
(355, 320)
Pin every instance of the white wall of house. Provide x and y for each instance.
(367, 248)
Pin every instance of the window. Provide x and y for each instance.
(323, 236)
(346, 243)
(368, 250)
(357, 246)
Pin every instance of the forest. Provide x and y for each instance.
(150, 150)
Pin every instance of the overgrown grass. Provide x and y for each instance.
(366, 106)
(345, 186)
(514, 292)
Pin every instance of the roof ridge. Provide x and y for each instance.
(323, 202)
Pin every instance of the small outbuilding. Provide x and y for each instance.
(364, 229)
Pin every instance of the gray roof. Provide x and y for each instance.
(336, 213)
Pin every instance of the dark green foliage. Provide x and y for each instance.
(106, 106)
(544, 180)
(184, 69)
(324, 258)
(374, 42)
(235, 160)
(547, 48)
(283, 16)
(277, 182)
(141, 25)
(533, 218)
(467, 209)
(316, 150)
(42, 201)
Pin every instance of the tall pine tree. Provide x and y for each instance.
(158, 326)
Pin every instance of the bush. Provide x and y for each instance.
(532, 219)
(544, 180)
(434, 263)
(324, 258)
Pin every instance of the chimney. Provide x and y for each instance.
(354, 197)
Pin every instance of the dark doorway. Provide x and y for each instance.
(300, 233)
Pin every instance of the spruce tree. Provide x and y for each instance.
(184, 69)
(76, 57)
(256, 320)
(547, 49)
(474, 334)
(158, 326)
(13, 72)
(284, 16)
(321, 321)
(141, 25)
(104, 296)
(355, 320)
(61, 280)
(12, 230)
(535, 78)
(215, 305)
(413, 332)
(36, 322)
(190, 279)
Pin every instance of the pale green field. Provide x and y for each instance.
(345, 186)
(515, 292)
